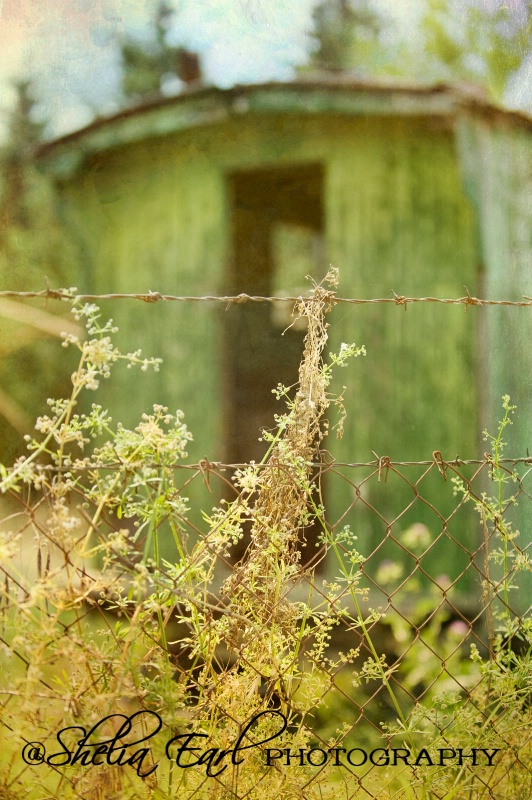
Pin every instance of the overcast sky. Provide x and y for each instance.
(71, 44)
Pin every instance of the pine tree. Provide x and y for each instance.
(148, 64)
(346, 33)
(24, 132)
(32, 252)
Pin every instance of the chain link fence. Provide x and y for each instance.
(354, 630)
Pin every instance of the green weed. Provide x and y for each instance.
(223, 668)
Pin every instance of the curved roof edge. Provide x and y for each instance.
(207, 105)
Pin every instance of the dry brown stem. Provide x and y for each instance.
(281, 507)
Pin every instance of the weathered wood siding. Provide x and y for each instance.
(153, 216)
(496, 158)
(398, 220)
(497, 164)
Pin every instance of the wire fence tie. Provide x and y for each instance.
(205, 469)
(440, 463)
(383, 463)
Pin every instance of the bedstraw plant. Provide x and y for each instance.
(214, 663)
(88, 633)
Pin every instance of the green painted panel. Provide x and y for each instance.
(153, 220)
(497, 160)
(398, 220)
(154, 216)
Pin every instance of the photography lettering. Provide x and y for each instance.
(126, 746)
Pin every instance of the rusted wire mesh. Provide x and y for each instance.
(389, 646)
(324, 629)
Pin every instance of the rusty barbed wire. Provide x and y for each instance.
(155, 297)
(381, 463)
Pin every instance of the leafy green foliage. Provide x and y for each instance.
(455, 41)
(463, 41)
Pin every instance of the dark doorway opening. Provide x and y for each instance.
(276, 240)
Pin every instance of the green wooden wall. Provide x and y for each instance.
(497, 164)
(398, 220)
(496, 158)
(154, 216)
